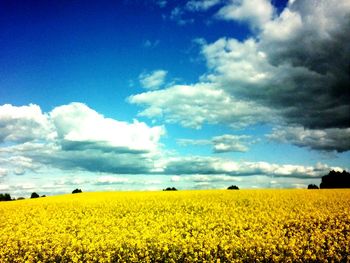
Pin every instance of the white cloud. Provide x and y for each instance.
(300, 186)
(219, 166)
(284, 26)
(16, 164)
(175, 178)
(26, 186)
(186, 142)
(221, 144)
(153, 80)
(230, 143)
(327, 140)
(3, 172)
(255, 12)
(19, 171)
(191, 106)
(79, 126)
(236, 65)
(106, 180)
(23, 124)
(212, 178)
(4, 187)
(22, 162)
(202, 5)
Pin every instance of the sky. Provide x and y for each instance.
(148, 94)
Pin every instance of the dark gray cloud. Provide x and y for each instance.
(96, 161)
(316, 48)
(68, 145)
(326, 140)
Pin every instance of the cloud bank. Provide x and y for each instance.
(80, 139)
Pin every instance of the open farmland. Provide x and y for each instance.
(184, 226)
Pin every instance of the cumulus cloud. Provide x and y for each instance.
(79, 127)
(254, 12)
(194, 105)
(326, 140)
(221, 144)
(310, 38)
(24, 124)
(19, 164)
(297, 93)
(153, 80)
(84, 139)
(230, 143)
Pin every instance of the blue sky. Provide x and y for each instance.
(141, 95)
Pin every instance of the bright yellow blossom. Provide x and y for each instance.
(183, 226)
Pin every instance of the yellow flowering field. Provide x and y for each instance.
(182, 226)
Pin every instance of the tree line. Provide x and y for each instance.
(7, 196)
(333, 179)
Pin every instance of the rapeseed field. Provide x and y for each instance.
(182, 226)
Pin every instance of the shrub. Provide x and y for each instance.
(77, 191)
(233, 187)
(34, 195)
(312, 186)
(170, 189)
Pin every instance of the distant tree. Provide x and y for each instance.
(20, 198)
(170, 189)
(34, 195)
(233, 187)
(77, 191)
(312, 186)
(5, 197)
(43, 196)
(336, 180)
